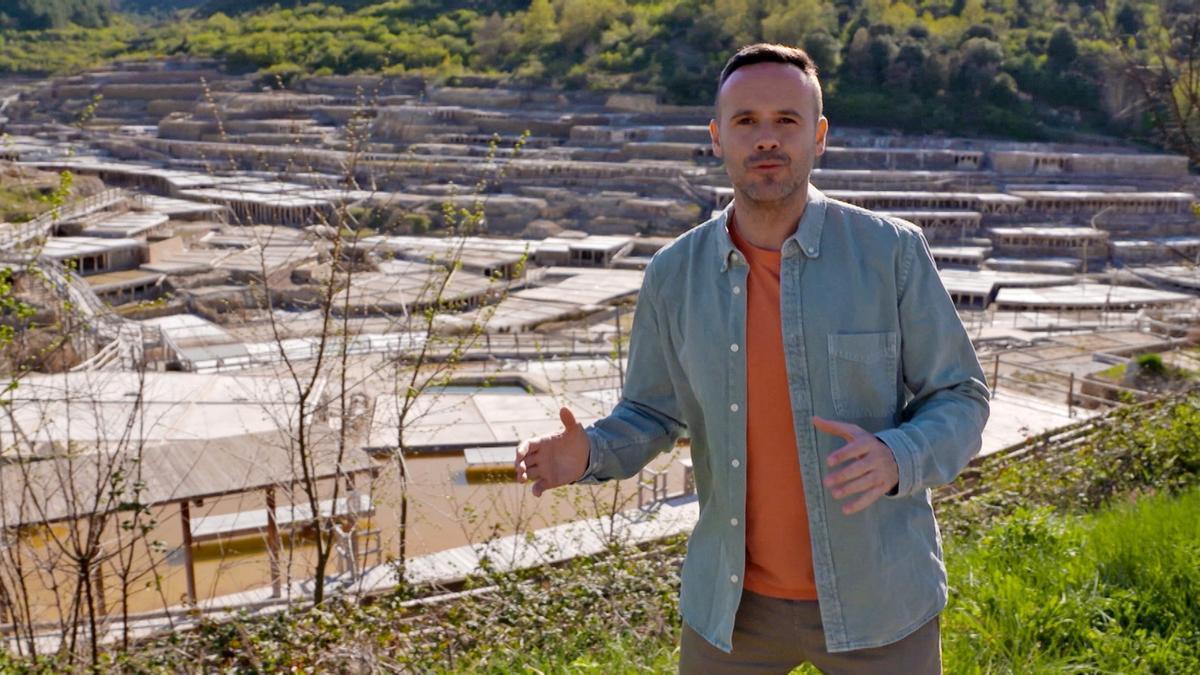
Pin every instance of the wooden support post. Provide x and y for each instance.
(996, 374)
(98, 589)
(1071, 395)
(6, 613)
(273, 545)
(189, 566)
(352, 511)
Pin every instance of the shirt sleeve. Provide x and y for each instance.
(942, 425)
(647, 419)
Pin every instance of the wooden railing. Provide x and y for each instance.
(43, 225)
(1060, 440)
(1053, 385)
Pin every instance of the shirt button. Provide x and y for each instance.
(733, 407)
(734, 347)
(812, 251)
(737, 290)
(735, 463)
(733, 578)
(733, 522)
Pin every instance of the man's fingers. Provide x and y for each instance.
(853, 487)
(526, 468)
(520, 456)
(567, 418)
(529, 464)
(852, 450)
(525, 454)
(848, 473)
(841, 429)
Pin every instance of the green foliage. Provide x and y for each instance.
(1017, 69)
(14, 312)
(68, 49)
(1151, 365)
(156, 7)
(1153, 447)
(1061, 51)
(43, 14)
(1112, 592)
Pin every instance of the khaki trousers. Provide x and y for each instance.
(774, 635)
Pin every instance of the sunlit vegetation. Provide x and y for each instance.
(1027, 68)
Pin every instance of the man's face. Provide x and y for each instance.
(767, 130)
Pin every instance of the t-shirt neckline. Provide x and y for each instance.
(754, 254)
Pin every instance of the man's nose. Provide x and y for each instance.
(766, 143)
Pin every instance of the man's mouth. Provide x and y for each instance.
(767, 164)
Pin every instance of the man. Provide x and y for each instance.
(827, 383)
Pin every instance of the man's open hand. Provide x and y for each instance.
(873, 473)
(553, 461)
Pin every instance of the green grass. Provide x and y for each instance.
(1116, 373)
(1118, 591)
(19, 204)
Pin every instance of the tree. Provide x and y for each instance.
(979, 62)
(859, 65)
(583, 21)
(793, 22)
(1128, 20)
(1003, 91)
(907, 66)
(1061, 51)
(42, 14)
(1167, 74)
(539, 27)
(825, 51)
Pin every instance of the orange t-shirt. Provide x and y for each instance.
(778, 548)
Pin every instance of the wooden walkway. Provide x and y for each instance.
(550, 545)
(241, 523)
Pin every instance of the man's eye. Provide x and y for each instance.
(787, 120)
(744, 121)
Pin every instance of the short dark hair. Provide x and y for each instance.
(765, 52)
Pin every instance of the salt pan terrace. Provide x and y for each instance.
(562, 294)
(984, 203)
(236, 198)
(1183, 277)
(493, 256)
(400, 287)
(1087, 296)
(616, 165)
(47, 412)
(1066, 201)
(579, 142)
(1079, 242)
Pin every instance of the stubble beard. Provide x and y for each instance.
(769, 191)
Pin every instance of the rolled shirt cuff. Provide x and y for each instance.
(904, 454)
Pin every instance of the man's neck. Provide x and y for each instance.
(768, 225)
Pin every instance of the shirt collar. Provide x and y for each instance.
(807, 236)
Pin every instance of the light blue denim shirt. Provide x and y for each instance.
(871, 337)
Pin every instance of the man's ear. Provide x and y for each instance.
(715, 134)
(822, 135)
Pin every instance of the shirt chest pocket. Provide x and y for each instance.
(862, 373)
